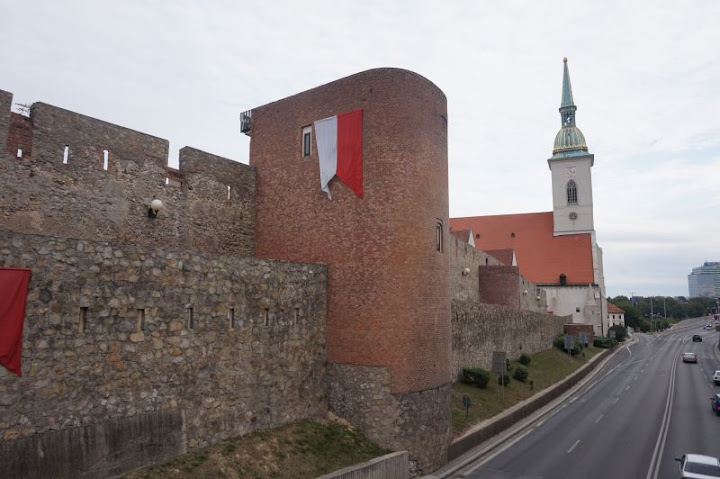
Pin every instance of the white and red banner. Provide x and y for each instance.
(339, 144)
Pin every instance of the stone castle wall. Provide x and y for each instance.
(478, 276)
(480, 329)
(194, 347)
(144, 337)
(147, 337)
(85, 178)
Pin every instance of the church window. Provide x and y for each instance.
(571, 193)
(306, 140)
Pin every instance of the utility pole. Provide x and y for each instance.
(652, 315)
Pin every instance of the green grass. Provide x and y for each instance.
(545, 369)
(303, 450)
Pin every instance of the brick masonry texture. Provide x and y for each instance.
(388, 286)
(478, 276)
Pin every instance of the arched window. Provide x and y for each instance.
(571, 193)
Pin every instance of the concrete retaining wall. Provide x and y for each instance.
(390, 466)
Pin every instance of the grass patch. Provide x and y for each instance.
(303, 450)
(545, 369)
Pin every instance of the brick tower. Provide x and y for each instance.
(388, 318)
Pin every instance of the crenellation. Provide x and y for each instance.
(5, 112)
(80, 177)
(56, 127)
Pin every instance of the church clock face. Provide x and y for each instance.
(572, 215)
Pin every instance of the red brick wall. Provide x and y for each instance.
(388, 287)
(19, 135)
(500, 285)
(575, 329)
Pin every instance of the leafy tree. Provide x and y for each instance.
(620, 332)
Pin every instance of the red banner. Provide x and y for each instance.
(14, 284)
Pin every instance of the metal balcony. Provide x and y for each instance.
(246, 122)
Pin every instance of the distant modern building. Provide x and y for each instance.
(704, 281)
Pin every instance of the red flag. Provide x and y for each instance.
(349, 155)
(14, 284)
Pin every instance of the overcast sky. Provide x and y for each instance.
(645, 77)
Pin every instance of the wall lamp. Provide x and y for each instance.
(465, 271)
(155, 206)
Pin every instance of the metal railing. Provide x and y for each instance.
(246, 122)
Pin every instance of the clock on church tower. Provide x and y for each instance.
(570, 167)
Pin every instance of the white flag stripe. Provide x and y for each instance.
(326, 139)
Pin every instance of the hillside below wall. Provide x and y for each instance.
(134, 354)
(479, 329)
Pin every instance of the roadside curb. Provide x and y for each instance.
(490, 433)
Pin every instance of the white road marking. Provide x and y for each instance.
(599, 418)
(573, 446)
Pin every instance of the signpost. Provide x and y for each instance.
(499, 367)
(467, 403)
(569, 343)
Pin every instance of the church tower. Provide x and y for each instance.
(570, 167)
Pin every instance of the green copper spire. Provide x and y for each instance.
(567, 99)
(569, 141)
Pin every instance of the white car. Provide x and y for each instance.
(697, 466)
(689, 357)
(716, 378)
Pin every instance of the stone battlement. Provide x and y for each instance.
(69, 175)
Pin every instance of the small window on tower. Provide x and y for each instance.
(306, 140)
(571, 193)
(439, 236)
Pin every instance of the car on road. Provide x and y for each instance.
(698, 466)
(689, 357)
(715, 404)
(716, 378)
(696, 338)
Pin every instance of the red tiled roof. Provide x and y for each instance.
(505, 256)
(614, 309)
(541, 257)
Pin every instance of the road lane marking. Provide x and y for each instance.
(656, 458)
(616, 400)
(599, 418)
(573, 446)
(627, 388)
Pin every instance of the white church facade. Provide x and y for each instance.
(557, 250)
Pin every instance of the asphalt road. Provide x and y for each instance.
(642, 409)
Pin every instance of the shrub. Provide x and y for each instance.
(478, 376)
(560, 344)
(503, 379)
(521, 374)
(524, 359)
(620, 332)
(605, 342)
